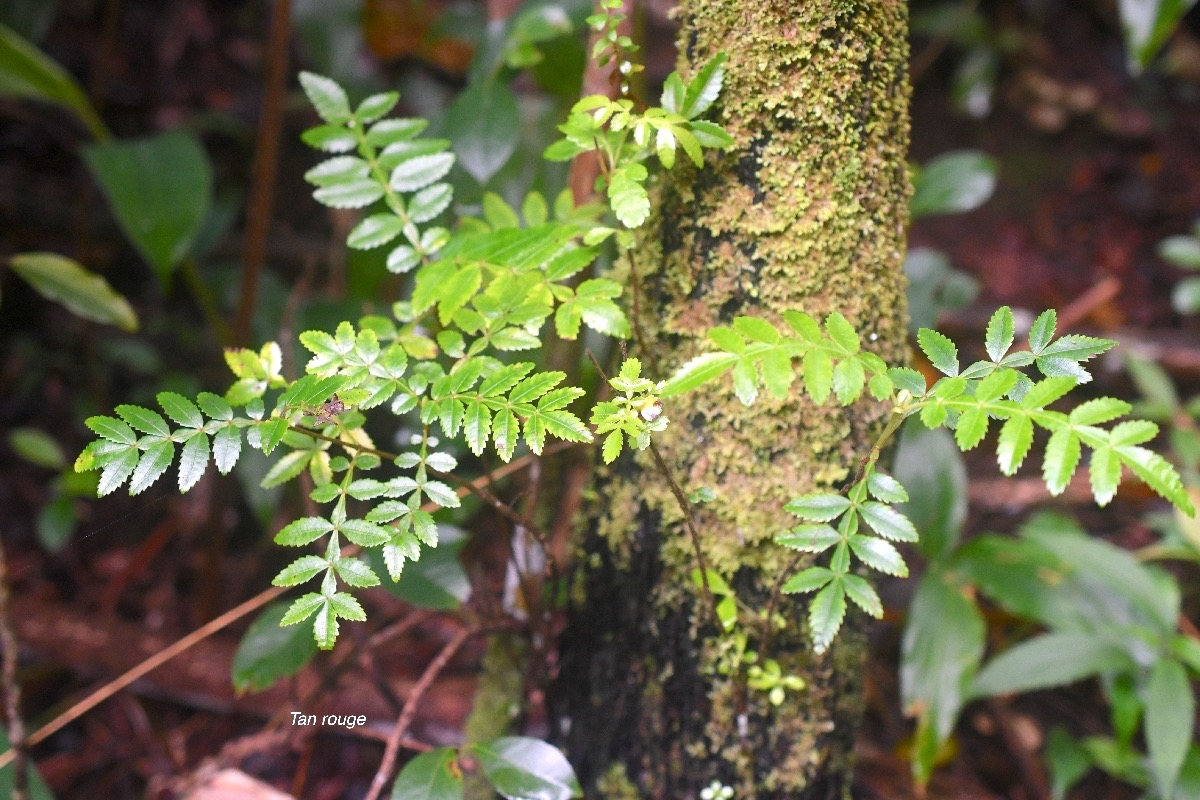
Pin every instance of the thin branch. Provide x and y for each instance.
(12, 690)
(639, 334)
(259, 600)
(266, 165)
(684, 505)
(392, 750)
(690, 523)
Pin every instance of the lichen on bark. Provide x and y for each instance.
(808, 212)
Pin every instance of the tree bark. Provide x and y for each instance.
(807, 211)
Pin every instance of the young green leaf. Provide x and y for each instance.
(826, 613)
(940, 351)
(1000, 333)
(327, 97)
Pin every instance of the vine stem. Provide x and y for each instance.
(688, 519)
(392, 749)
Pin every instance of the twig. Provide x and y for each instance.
(12, 691)
(690, 523)
(234, 614)
(149, 665)
(266, 163)
(684, 505)
(392, 750)
(635, 284)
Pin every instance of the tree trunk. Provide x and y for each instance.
(808, 212)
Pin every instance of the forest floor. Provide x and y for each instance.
(1095, 168)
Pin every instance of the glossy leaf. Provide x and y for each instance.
(159, 188)
(268, 652)
(953, 183)
(434, 775)
(25, 71)
(521, 768)
(485, 124)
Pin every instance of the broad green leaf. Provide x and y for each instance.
(25, 71)
(36, 787)
(1170, 708)
(338, 170)
(83, 293)
(930, 467)
(1000, 333)
(521, 768)
(434, 775)
(354, 572)
(37, 447)
(437, 580)
(327, 97)
(300, 571)
(1105, 473)
(485, 123)
(940, 652)
(940, 351)
(1052, 659)
(848, 380)
(268, 652)
(1099, 410)
(842, 332)
(1182, 251)
(159, 188)
(154, 462)
(1068, 762)
(117, 471)
(953, 183)
(825, 615)
(1185, 297)
(1147, 25)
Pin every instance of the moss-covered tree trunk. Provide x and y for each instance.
(807, 212)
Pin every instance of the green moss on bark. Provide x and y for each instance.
(807, 212)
